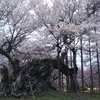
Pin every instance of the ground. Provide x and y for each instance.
(51, 95)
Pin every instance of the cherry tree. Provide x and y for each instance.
(68, 20)
(16, 24)
(59, 25)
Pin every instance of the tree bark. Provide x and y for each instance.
(91, 77)
(14, 62)
(82, 66)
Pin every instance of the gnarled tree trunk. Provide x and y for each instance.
(14, 62)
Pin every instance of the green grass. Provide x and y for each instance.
(51, 95)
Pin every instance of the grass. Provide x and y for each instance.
(51, 95)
